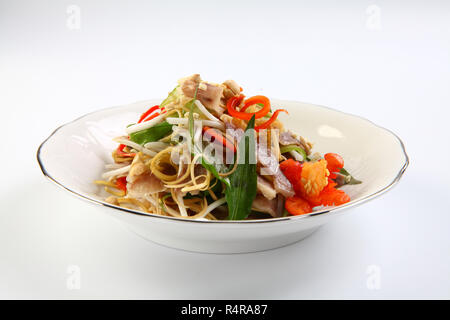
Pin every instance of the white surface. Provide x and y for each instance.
(397, 76)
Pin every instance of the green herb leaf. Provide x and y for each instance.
(191, 124)
(212, 168)
(242, 192)
(172, 97)
(348, 178)
(191, 105)
(293, 147)
(155, 133)
(163, 207)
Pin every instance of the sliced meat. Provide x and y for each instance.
(137, 169)
(141, 181)
(274, 207)
(265, 188)
(280, 205)
(263, 204)
(282, 184)
(269, 166)
(144, 185)
(287, 138)
(209, 94)
(189, 84)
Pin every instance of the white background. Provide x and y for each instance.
(387, 61)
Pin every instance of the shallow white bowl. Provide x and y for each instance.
(74, 155)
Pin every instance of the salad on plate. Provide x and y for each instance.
(209, 152)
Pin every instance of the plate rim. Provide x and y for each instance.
(332, 210)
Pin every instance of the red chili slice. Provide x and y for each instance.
(235, 101)
(120, 152)
(218, 137)
(274, 116)
(146, 113)
(121, 183)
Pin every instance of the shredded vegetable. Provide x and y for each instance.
(201, 154)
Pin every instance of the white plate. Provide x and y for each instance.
(75, 154)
